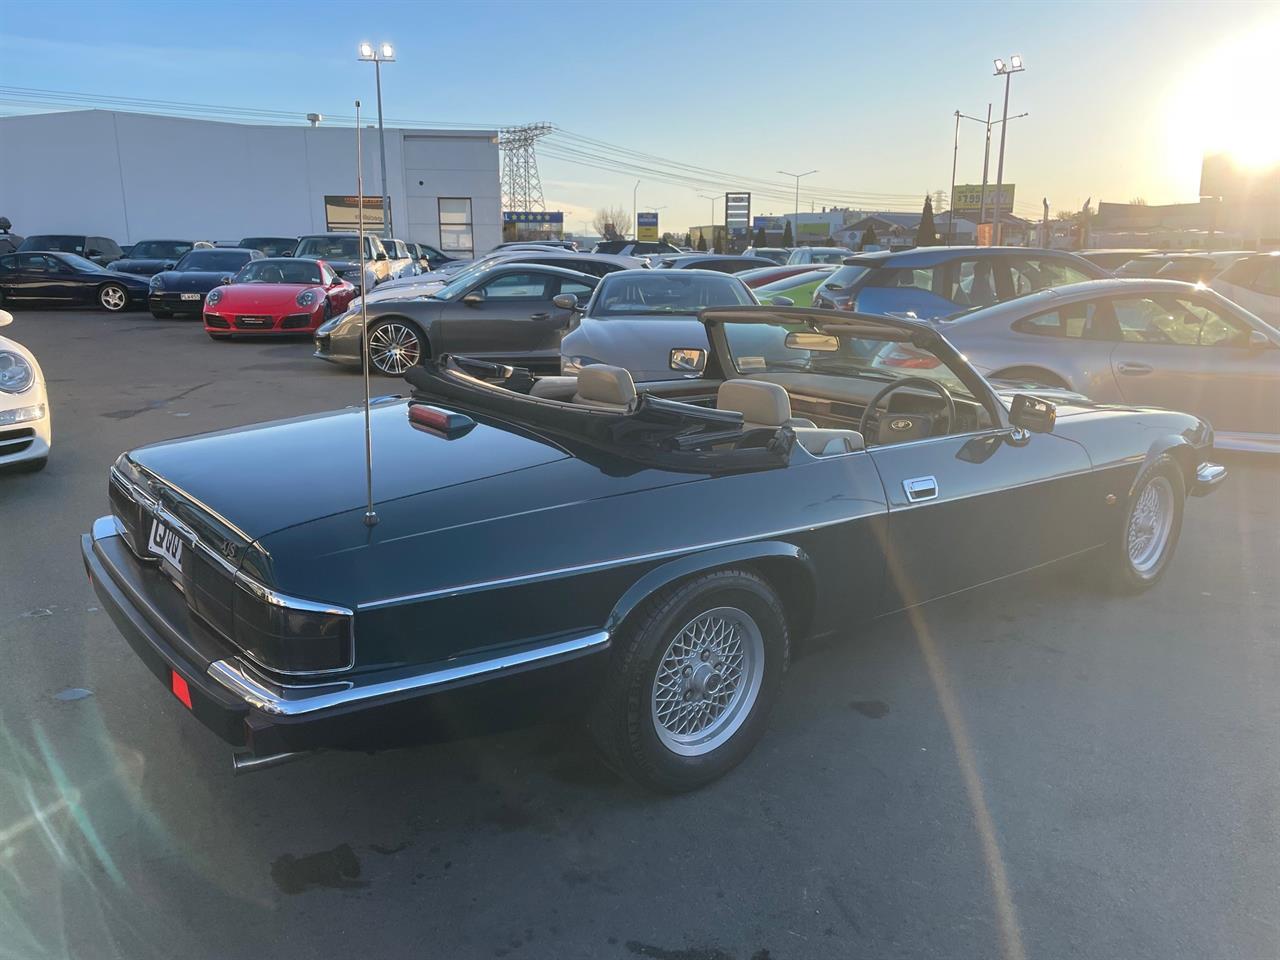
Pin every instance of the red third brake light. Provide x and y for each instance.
(180, 688)
(907, 356)
(441, 422)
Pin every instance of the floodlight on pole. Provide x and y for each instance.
(1007, 70)
(379, 54)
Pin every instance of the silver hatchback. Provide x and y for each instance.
(1151, 342)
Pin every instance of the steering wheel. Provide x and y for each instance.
(934, 385)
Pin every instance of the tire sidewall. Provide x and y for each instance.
(727, 589)
(408, 324)
(1130, 580)
(102, 294)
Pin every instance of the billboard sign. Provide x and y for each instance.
(737, 213)
(647, 226)
(769, 224)
(967, 198)
(532, 217)
(342, 214)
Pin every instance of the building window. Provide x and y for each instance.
(455, 226)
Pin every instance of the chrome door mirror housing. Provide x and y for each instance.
(1032, 414)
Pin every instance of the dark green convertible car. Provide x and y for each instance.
(658, 546)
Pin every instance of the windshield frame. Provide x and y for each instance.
(352, 257)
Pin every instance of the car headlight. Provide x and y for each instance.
(16, 375)
(22, 414)
(306, 298)
(212, 299)
(157, 283)
(329, 325)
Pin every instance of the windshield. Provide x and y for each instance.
(280, 271)
(271, 246)
(159, 250)
(329, 248)
(762, 348)
(463, 279)
(845, 277)
(212, 261)
(787, 283)
(62, 243)
(680, 293)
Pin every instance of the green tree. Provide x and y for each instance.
(869, 238)
(788, 238)
(688, 239)
(702, 242)
(926, 232)
(761, 240)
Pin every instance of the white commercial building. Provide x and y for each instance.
(132, 176)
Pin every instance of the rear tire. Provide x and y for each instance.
(112, 297)
(395, 345)
(694, 675)
(1147, 533)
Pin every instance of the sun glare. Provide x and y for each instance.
(1226, 104)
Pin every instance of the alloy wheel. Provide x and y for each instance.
(394, 348)
(707, 681)
(113, 297)
(1150, 522)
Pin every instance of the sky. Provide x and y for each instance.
(1122, 97)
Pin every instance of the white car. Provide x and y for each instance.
(25, 432)
(1254, 283)
(402, 264)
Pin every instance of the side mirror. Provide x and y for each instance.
(780, 302)
(474, 298)
(6, 318)
(1032, 414)
(1258, 340)
(688, 359)
(170, 264)
(565, 301)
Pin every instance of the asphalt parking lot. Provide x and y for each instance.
(1031, 770)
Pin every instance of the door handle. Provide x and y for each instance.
(540, 316)
(1134, 369)
(919, 489)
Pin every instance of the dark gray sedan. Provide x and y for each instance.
(511, 313)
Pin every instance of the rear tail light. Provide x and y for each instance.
(290, 636)
(906, 356)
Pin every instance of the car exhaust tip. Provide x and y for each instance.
(242, 763)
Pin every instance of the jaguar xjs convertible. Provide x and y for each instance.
(669, 540)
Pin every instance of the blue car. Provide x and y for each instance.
(932, 282)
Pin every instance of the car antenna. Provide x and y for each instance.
(370, 515)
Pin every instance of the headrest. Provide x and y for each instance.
(757, 401)
(600, 383)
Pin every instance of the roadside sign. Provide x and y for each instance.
(968, 198)
(647, 226)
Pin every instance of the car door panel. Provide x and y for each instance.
(503, 327)
(988, 508)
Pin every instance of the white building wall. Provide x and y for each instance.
(135, 176)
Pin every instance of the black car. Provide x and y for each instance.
(65, 279)
(510, 312)
(428, 257)
(182, 289)
(270, 246)
(658, 557)
(101, 250)
(146, 258)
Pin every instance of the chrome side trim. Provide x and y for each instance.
(597, 565)
(277, 599)
(296, 701)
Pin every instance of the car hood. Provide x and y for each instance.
(642, 345)
(200, 281)
(268, 296)
(144, 267)
(271, 476)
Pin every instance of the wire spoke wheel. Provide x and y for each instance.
(1150, 523)
(112, 297)
(394, 348)
(707, 681)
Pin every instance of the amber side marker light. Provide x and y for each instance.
(180, 689)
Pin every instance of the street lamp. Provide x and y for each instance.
(796, 237)
(1007, 70)
(635, 220)
(378, 54)
(713, 197)
(986, 161)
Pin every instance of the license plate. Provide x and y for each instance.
(191, 296)
(255, 322)
(164, 543)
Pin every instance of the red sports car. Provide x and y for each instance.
(275, 296)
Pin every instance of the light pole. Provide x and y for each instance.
(796, 238)
(951, 200)
(378, 54)
(713, 198)
(986, 160)
(1008, 70)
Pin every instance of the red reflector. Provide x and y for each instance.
(429, 416)
(180, 688)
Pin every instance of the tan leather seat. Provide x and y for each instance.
(554, 388)
(609, 388)
(761, 404)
